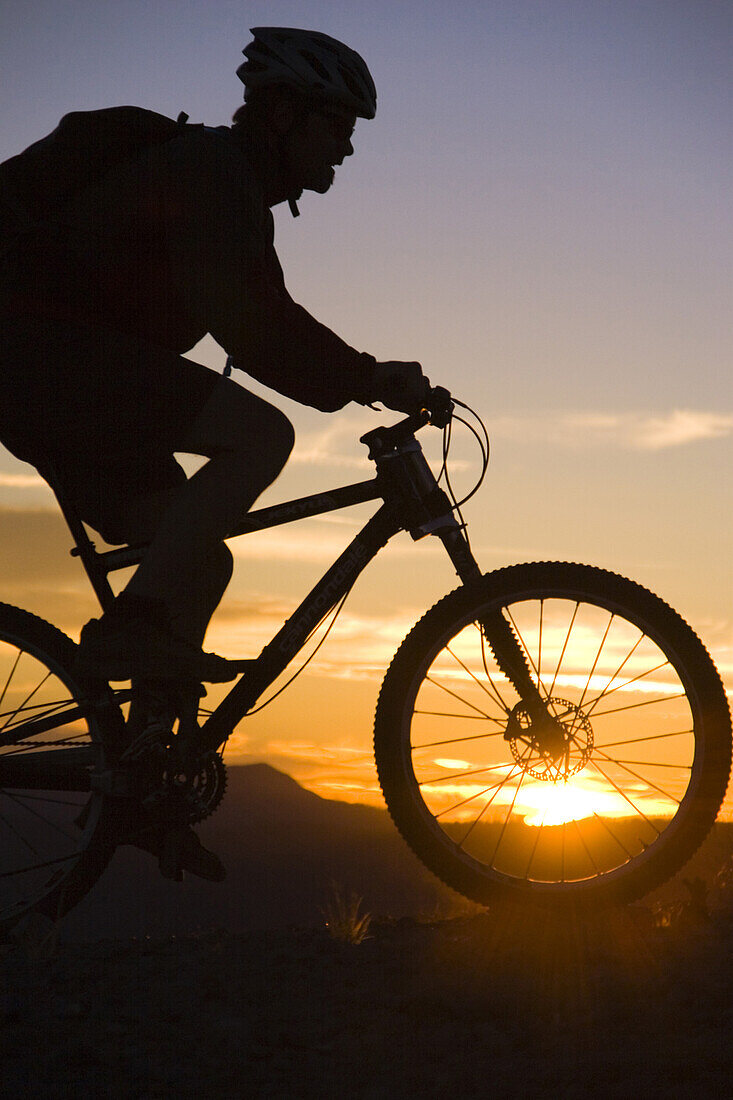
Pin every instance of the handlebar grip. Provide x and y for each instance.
(437, 410)
(441, 406)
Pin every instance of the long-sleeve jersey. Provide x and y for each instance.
(179, 243)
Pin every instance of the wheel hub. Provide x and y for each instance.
(555, 748)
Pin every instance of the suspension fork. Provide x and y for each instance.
(496, 629)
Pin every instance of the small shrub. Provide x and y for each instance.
(666, 915)
(344, 920)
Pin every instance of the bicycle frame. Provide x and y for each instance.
(412, 500)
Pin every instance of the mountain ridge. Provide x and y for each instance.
(284, 848)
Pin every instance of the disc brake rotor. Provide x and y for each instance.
(573, 739)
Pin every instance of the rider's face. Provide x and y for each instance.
(316, 144)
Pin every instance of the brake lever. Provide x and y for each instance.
(441, 407)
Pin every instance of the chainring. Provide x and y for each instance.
(205, 789)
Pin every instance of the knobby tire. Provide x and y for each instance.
(647, 748)
(54, 840)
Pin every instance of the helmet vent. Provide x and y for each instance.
(309, 62)
(349, 81)
(317, 66)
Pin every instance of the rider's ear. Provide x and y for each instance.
(283, 112)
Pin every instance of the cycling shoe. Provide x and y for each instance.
(179, 849)
(110, 650)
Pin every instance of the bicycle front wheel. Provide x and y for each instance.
(637, 773)
(53, 844)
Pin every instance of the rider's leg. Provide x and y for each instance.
(107, 413)
(135, 520)
(247, 442)
(157, 622)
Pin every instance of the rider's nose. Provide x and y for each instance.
(348, 149)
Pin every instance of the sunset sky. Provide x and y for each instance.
(540, 214)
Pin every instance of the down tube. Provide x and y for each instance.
(278, 653)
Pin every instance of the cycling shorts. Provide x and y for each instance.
(96, 409)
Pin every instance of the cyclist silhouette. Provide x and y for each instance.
(100, 302)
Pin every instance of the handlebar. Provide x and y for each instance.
(437, 410)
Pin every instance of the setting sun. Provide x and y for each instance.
(557, 803)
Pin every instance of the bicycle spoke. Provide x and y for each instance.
(623, 794)
(50, 707)
(626, 716)
(10, 676)
(652, 737)
(562, 654)
(458, 740)
(588, 852)
(611, 833)
(461, 775)
(596, 660)
(643, 703)
(650, 763)
(39, 866)
(458, 697)
(43, 798)
(6, 821)
(476, 820)
(25, 701)
(470, 717)
(642, 779)
(625, 661)
(590, 707)
(506, 819)
(535, 846)
(494, 698)
(464, 801)
(45, 820)
(52, 739)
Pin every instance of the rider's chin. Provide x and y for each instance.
(322, 180)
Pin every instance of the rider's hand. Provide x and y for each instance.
(400, 386)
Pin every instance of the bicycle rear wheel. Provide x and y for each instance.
(53, 843)
(625, 797)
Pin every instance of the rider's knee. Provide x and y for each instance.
(265, 444)
(281, 437)
(220, 566)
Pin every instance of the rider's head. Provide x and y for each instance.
(306, 90)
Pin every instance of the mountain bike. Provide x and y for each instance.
(548, 732)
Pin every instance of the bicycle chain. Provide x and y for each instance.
(70, 743)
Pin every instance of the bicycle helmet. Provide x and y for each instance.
(313, 63)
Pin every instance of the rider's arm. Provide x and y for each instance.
(279, 343)
(228, 274)
(282, 345)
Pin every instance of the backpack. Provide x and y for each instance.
(35, 184)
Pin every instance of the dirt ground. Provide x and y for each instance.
(502, 1004)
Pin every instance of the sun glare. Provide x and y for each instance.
(556, 803)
